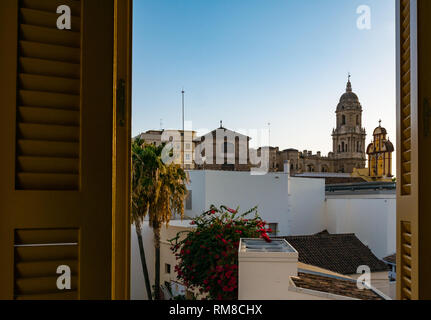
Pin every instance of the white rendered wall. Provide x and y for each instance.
(371, 217)
(306, 206)
(298, 205)
(233, 189)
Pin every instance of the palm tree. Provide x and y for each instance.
(159, 191)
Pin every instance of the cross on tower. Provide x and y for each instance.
(380, 123)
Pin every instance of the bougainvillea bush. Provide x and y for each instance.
(208, 255)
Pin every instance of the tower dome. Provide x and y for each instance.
(349, 100)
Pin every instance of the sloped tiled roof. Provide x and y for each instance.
(391, 259)
(336, 180)
(333, 285)
(341, 253)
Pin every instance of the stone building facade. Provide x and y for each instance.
(348, 143)
(223, 149)
(183, 144)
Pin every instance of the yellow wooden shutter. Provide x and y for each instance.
(56, 133)
(407, 158)
(49, 100)
(38, 254)
(414, 149)
(405, 107)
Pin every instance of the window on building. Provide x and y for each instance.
(228, 147)
(167, 268)
(189, 201)
(343, 120)
(188, 157)
(188, 146)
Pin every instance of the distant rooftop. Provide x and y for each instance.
(341, 253)
(363, 186)
(323, 175)
(331, 178)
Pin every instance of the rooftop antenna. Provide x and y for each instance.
(183, 122)
(269, 133)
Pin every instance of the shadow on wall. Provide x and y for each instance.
(167, 257)
(137, 280)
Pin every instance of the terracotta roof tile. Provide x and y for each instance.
(340, 253)
(334, 285)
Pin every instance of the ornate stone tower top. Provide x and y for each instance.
(349, 136)
(379, 153)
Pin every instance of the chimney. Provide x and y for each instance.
(265, 269)
(319, 154)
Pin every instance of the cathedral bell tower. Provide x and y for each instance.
(349, 135)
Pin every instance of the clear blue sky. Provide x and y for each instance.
(251, 62)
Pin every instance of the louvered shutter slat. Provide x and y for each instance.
(49, 101)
